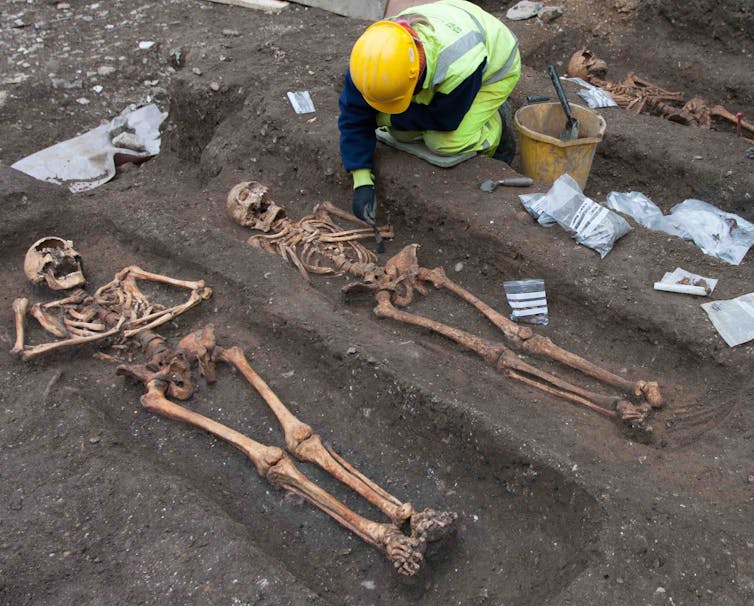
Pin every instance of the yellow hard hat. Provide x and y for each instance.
(385, 66)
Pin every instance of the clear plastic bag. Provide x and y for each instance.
(733, 319)
(590, 224)
(718, 233)
(527, 300)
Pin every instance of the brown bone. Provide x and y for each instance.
(404, 552)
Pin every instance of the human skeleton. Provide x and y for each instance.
(637, 94)
(308, 244)
(120, 311)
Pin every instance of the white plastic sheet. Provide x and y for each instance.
(88, 161)
(593, 95)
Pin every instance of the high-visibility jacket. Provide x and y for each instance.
(466, 49)
(459, 37)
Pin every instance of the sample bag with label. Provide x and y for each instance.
(527, 300)
(586, 221)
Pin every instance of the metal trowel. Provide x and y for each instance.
(491, 184)
(571, 130)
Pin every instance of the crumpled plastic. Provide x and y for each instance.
(718, 233)
(88, 161)
(589, 223)
(593, 95)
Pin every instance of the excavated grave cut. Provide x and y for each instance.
(524, 528)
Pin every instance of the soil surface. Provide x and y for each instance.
(103, 502)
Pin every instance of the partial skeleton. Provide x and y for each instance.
(637, 94)
(394, 285)
(117, 310)
(120, 311)
(167, 373)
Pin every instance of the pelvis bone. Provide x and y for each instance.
(395, 285)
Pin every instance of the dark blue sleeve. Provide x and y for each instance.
(356, 122)
(446, 111)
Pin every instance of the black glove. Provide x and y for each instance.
(365, 203)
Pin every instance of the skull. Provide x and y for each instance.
(585, 65)
(55, 261)
(249, 206)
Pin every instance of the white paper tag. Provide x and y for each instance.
(301, 101)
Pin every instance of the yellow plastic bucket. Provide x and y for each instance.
(544, 157)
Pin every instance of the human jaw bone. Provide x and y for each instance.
(54, 260)
(249, 205)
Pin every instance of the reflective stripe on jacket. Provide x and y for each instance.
(459, 36)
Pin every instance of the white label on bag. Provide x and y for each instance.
(588, 217)
(301, 101)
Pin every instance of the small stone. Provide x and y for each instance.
(351, 351)
(94, 440)
(97, 88)
(214, 86)
(146, 44)
(458, 267)
(83, 101)
(368, 585)
(751, 478)
(197, 71)
(524, 10)
(105, 70)
(231, 33)
(61, 6)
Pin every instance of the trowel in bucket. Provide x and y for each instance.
(571, 130)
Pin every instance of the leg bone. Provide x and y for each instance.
(404, 552)
(498, 355)
(524, 338)
(301, 440)
(20, 306)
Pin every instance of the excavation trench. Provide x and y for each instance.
(604, 310)
(524, 529)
